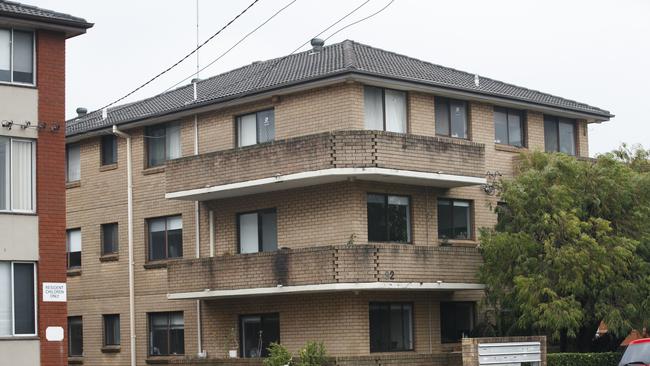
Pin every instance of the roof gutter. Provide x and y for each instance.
(70, 28)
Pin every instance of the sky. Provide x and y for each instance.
(593, 51)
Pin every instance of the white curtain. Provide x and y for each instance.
(73, 163)
(5, 299)
(373, 108)
(5, 54)
(395, 111)
(247, 133)
(22, 175)
(4, 173)
(173, 141)
(248, 234)
(174, 223)
(74, 241)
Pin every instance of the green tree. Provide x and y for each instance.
(571, 248)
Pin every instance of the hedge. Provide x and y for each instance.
(584, 359)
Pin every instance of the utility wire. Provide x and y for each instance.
(234, 45)
(184, 57)
(361, 20)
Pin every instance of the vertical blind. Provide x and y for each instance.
(5, 55)
(73, 163)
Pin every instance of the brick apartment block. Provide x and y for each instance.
(333, 196)
(33, 327)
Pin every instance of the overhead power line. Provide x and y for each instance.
(184, 57)
(361, 20)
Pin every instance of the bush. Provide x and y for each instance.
(313, 354)
(278, 356)
(583, 359)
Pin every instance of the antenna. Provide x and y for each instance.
(197, 38)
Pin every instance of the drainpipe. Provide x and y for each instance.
(129, 180)
(197, 234)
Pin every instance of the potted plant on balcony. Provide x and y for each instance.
(231, 344)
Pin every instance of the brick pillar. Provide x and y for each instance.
(50, 189)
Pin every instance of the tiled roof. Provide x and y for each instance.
(336, 59)
(18, 10)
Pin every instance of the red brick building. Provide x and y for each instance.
(33, 309)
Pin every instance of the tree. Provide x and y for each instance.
(572, 248)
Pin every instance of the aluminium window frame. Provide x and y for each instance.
(168, 329)
(102, 163)
(67, 162)
(119, 323)
(556, 121)
(260, 243)
(11, 57)
(102, 227)
(146, 137)
(523, 125)
(409, 212)
(148, 238)
(10, 203)
(407, 125)
(474, 317)
(413, 325)
(67, 251)
(13, 305)
(447, 102)
(257, 127)
(81, 318)
(241, 329)
(470, 216)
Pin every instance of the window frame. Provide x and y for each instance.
(147, 138)
(102, 157)
(412, 320)
(260, 242)
(116, 244)
(474, 318)
(407, 125)
(409, 213)
(168, 330)
(11, 57)
(447, 101)
(149, 242)
(241, 329)
(10, 190)
(238, 119)
(470, 216)
(523, 119)
(67, 162)
(67, 252)
(81, 324)
(13, 303)
(105, 328)
(557, 121)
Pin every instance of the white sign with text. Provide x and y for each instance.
(54, 292)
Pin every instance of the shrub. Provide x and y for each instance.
(583, 359)
(313, 354)
(278, 356)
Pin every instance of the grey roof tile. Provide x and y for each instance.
(335, 59)
(18, 10)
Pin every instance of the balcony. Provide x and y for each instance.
(390, 267)
(327, 158)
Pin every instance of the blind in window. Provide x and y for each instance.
(4, 173)
(23, 57)
(173, 141)
(21, 175)
(74, 163)
(5, 55)
(248, 233)
(373, 108)
(5, 299)
(247, 130)
(395, 111)
(74, 241)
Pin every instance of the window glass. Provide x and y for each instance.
(21, 175)
(373, 108)
(166, 334)
(175, 237)
(109, 149)
(442, 116)
(75, 336)
(269, 231)
(550, 134)
(112, 330)
(567, 138)
(5, 299)
(24, 308)
(257, 332)
(73, 244)
(172, 141)
(456, 320)
(165, 237)
(4, 172)
(247, 130)
(388, 218)
(391, 327)
(248, 233)
(109, 238)
(23, 57)
(559, 135)
(256, 128)
(395, 111)
(5, 55)
(258, 231)
(458, 119)
(454, 219)
(500, 126)
(265, 126)
(377, 218)
(155, 137)
(73, 163)
(515, 135)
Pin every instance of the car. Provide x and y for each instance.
(637, 353)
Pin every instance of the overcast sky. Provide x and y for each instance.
(593, 51)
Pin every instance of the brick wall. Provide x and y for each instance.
(50, 188)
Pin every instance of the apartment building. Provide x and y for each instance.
(332, 195)
(32, 186)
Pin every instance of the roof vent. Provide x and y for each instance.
(317, 45)
(477, 81)
(195, 80)
(81, 111)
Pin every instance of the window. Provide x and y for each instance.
(257, 332)
(109, 149)
(16, 56)
(111, 330)
(389, 218)
(559, 135)
(256, 128)
(454, 219)
(165, 238)
(456, 320)
(385, 109)
(110, 239)
(391, 327)
(73, 248)
(73, 162)
(258, 231)
(17, 299)
(503, 213)
(451, 118)
(166, 334)
(508, 127)
(75, 336)
(17, 175)
(163, 143)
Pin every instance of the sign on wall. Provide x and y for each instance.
(55, 292)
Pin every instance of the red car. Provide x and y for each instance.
(637, 353)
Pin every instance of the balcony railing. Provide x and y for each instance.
(347, 264)
(373, 155)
